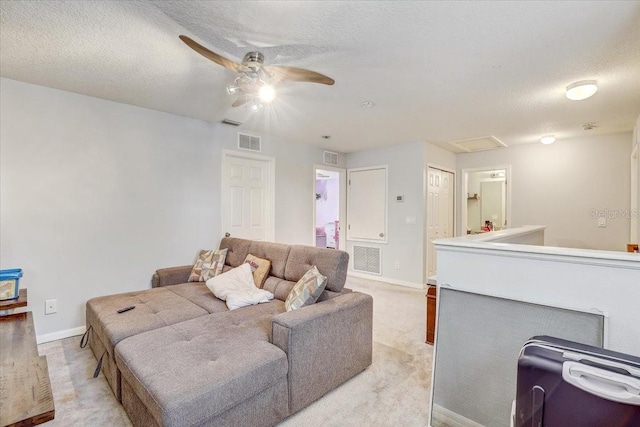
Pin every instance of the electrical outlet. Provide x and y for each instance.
(51, 306)
(397, 265)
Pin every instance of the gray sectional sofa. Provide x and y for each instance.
(181, 358)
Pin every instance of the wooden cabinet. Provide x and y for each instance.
(25, 389)
(431, 314)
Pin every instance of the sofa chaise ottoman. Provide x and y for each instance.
(181, 358)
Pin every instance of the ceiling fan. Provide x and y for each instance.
(255, 81)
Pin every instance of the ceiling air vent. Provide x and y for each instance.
(478, 144)
(330, 158)
(367, 259)
(230, 122)
(249, 142)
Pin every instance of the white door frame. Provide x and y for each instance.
(425, 228)
(342, 216)
(271, 197)
(635, 194)
(463, 193)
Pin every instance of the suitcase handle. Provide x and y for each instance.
(606, 384)
(602, 362)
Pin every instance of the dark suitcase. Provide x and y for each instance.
(563, 383)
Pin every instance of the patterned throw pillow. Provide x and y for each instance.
(307, 290)
(208, 265)
(260, 268)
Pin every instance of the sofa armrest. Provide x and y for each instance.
(171, 276)
(326, 344)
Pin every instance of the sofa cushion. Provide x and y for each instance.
(237, 289)
(280, 288)
(155, 308)
(238, 249)
(208, 264)
(188, 372)
(260, 268)
(306, 291)
(332, 263)
(277, 253)
(200, 295)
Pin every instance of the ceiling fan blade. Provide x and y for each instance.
(220, 60)
(240, 101)
(298, 75)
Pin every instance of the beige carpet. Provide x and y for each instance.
(393, 391)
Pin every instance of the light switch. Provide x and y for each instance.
(410, 220)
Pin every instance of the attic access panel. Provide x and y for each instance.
(478, 144)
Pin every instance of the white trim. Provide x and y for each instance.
(635, 203)
(463, 193)
(386, 204)
(489, 243)
(55, 336)
(271, 214)
(342, 215)
(386, 280)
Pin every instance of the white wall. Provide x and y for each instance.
(404, 241)
(436, 156)
(96, 195)
(564, 186)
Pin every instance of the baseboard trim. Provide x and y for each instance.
(55, 336)
(386, 280)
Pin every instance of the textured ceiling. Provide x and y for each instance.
(437, 71)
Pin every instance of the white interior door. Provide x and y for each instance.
(367, 204)
(440, 212)
(247, 196)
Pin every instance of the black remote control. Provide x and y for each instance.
(122, 310)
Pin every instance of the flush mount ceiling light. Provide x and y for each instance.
(549, 139)
(367, 104)
(582, 90)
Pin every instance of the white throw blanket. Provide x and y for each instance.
(237, 289)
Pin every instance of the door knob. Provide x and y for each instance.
(227, 234)
(381, 234)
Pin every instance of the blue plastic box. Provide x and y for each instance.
(10, 283)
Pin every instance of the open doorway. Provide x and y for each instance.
(329, 206)
(486, 207)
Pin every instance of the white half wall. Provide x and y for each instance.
(404, 241)
(565, 186)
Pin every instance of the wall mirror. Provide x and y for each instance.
(485, 199)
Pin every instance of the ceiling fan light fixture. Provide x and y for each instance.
(267, 93)
(548, 139)
(232, 90)
(579, 91)
(255, 106)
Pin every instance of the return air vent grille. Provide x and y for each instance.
(249, 142)
(478, 144)
(330, 158)
(367, 259)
